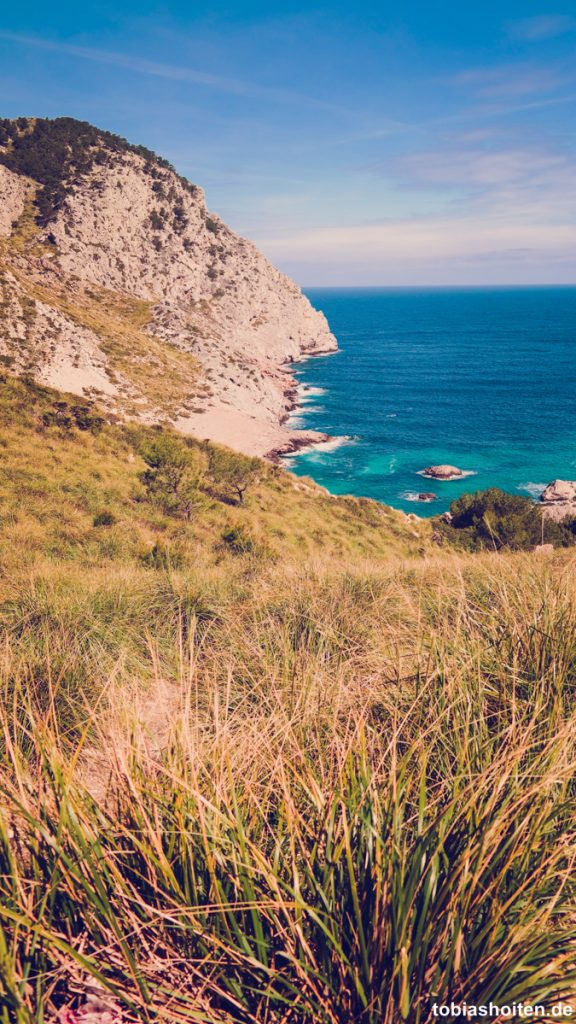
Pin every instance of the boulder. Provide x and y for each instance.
(559, 491)
(442, 472)
(427, 496)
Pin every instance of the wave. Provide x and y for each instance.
(319, 448)
(534, 490)
(295, 421)
(414, 496)
(307, 389)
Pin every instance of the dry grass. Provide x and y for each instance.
(155, 375)
(322, 781)
(55, 482)
(160, 376)
(365, 799)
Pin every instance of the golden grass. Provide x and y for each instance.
(330, 779)
(55, 482)
(160, 377)
(332, 794)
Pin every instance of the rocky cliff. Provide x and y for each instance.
(117, 283)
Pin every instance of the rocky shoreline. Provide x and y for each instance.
(296, 440)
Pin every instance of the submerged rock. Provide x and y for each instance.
(442, 472)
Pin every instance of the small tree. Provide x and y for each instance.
(234, 471)
(174, 476)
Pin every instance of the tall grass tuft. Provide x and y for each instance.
(363, 803)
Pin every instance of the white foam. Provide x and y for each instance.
(319, 447)
(411, 496)
(307, 389)
(535, 490)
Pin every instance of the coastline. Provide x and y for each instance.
(266, 435)
(296, 440)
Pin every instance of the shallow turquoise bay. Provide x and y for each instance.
(483, 378)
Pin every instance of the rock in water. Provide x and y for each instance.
(427, 496)
(443, 472)
(559, 500)
(559, 491)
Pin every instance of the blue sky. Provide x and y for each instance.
(411, 142)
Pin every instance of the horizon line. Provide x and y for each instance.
(414, 287)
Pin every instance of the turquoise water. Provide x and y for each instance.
(484, 379)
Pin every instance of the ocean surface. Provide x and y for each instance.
(483, 379)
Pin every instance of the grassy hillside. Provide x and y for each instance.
(63, 464)
(278, 760)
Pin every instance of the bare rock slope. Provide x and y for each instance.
(116, 283)
(559, 499)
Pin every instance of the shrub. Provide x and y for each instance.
(234, 472)
(66, 416)
(55, 151)
(157, 219)
(493, 520)
(239, 541)
(174, 476)
(104, 519)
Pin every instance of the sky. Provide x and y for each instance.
(408, 142)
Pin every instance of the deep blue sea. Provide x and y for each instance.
(483, 378)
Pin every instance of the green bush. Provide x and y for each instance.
(493, 520)
(68, 417)
(104, 519)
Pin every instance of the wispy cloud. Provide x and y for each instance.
(423, 239)
(494, 209)
(512, 80)
(544, 26)
(173, 72)
(473, 168)
(131, 63)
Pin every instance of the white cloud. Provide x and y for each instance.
(544, 26)
(507, 215)
(471, 168)
(510, 81)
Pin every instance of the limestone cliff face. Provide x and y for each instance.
(132, 292)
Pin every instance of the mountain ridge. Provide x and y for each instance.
(118, 284)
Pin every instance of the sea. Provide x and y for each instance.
(479, 378)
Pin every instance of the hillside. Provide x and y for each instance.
(64, 465)
(118, 284)
(267, 756)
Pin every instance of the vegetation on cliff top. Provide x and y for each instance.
(55, 151)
